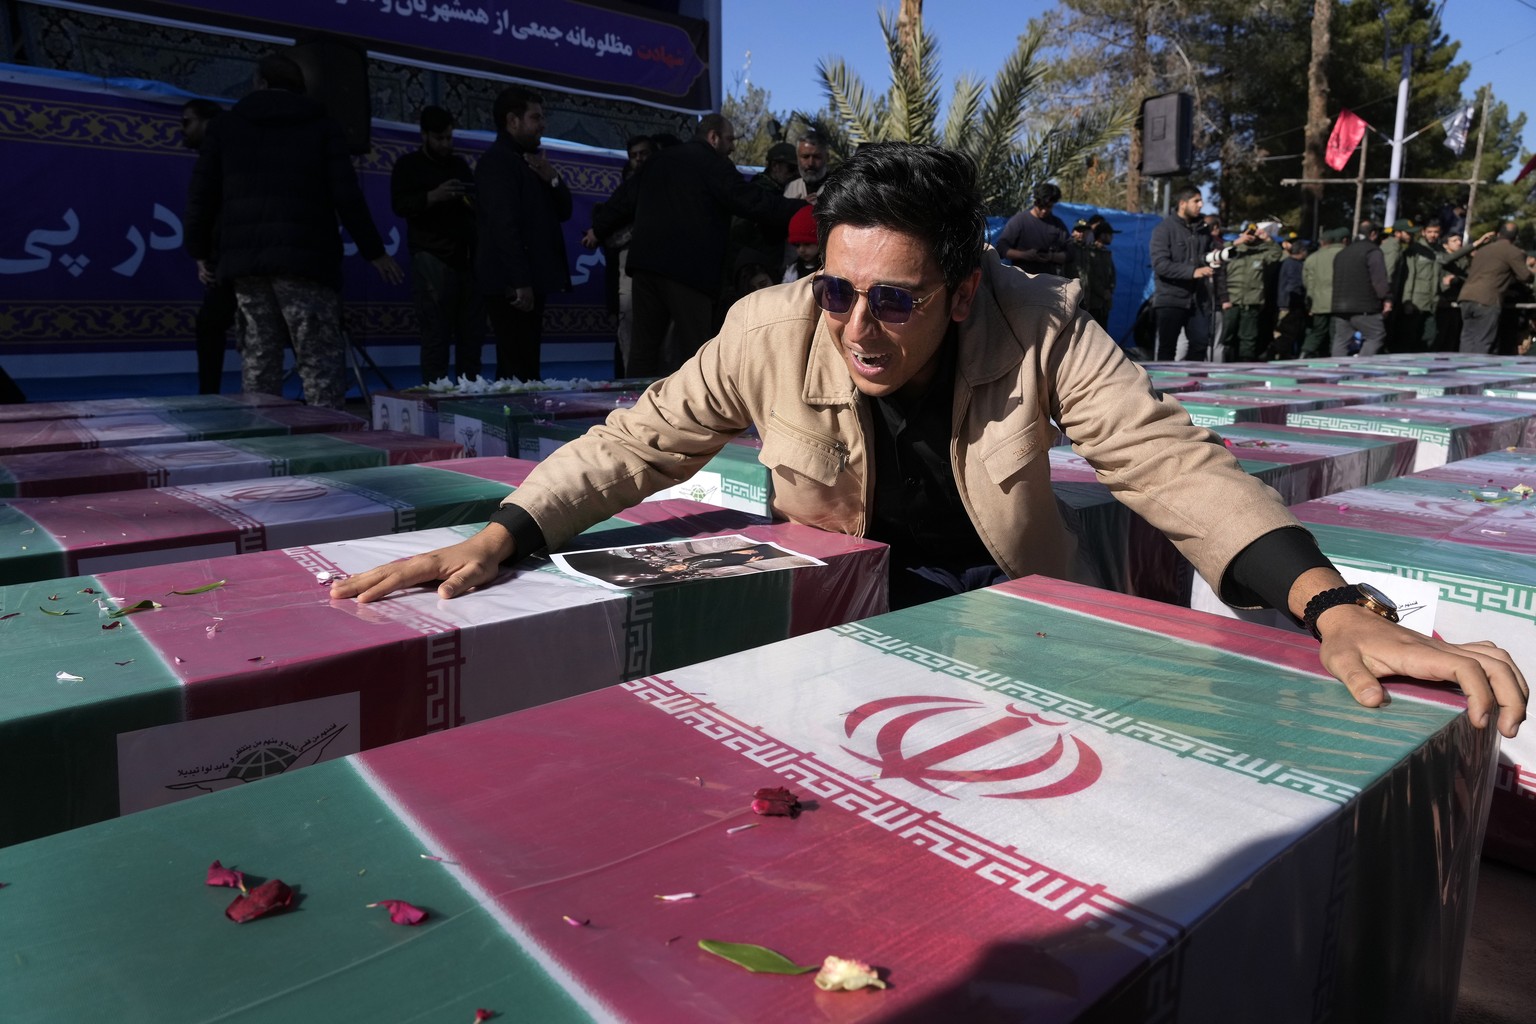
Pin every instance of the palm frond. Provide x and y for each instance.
(964, 109)
(1048, 153)
(856, 111)
(913, 111)
(1006, 110)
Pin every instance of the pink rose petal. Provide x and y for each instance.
(218, 874)
(402, 912)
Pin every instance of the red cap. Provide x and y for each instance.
(802, 227)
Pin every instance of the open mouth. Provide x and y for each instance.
(870, 362)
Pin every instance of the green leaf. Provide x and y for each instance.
(757, 959)
(201, 590)
(143, 606)
(45, 611)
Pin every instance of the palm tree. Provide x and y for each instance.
(991, 126)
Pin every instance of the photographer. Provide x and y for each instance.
(1037, 241)
(1246, 263)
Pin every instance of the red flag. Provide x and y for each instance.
(1530, 165)
(1348, 130)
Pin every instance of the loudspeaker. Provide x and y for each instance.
(1167, 134)
(336, 74)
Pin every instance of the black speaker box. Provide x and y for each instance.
(336, 74)
(1167, 134)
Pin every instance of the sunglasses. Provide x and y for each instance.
(887, 303)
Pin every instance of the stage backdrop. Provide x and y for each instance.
(91, 252)
(595, 47)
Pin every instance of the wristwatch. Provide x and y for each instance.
(1362, 594)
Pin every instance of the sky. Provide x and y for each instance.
(785, 38)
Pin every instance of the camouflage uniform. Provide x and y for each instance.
(284, 311)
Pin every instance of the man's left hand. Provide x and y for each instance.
(388, 269)
(540, 165)
(1359, 647)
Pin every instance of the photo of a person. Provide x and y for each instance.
(648, 565)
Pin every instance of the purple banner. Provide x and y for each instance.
(91, 248)
(594, 48)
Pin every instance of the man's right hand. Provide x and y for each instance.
(450, 189)
(1203, 272)
(462, 567)
(521, 298)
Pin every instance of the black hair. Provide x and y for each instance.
(635, 140)
(1045, 194)
(1508, 230)
(435, 119)
(711, 123)
(281, 71)
(925, 191)
(514, 100)
(203, 110)
(665, 140)
(1184, 194)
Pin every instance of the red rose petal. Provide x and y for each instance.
(267, 897)
(402, 912)
(481, 1016)
(218, 874)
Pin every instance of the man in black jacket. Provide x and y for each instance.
(686, 196)
(432, 189)
(1181, 300)
(521, 256)
(1362, 295)
(272, 177)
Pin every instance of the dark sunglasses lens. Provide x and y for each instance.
(890, 304)
(833, 294)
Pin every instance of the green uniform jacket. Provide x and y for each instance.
(1317, 277)
(1392, 254)
(1245, 272)
(1421, 278)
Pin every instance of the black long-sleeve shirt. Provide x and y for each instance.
(445, 229)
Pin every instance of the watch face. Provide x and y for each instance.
(1377, 596)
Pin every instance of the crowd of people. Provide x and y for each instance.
(684, 236)
(1266, 294)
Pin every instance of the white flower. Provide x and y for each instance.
(837, 974)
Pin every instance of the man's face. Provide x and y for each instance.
(1431, 234)
(724, 140)
(528, 130)
(639, 153)
(781, 172)
(438, 145)
(813, 161)
(1189, 208)
(193, 128)
(1453, 243)
(883, 358)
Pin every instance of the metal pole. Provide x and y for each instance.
(1397, 135)
(1360, 185)
(1477, 165)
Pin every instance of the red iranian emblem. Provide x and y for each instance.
(278, 490)
(1017, 745)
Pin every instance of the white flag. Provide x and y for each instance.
(1456, 129)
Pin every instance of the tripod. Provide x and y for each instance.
(357, 357)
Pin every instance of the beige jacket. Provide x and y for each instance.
(1027, 357)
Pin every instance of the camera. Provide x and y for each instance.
(1217, 257)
